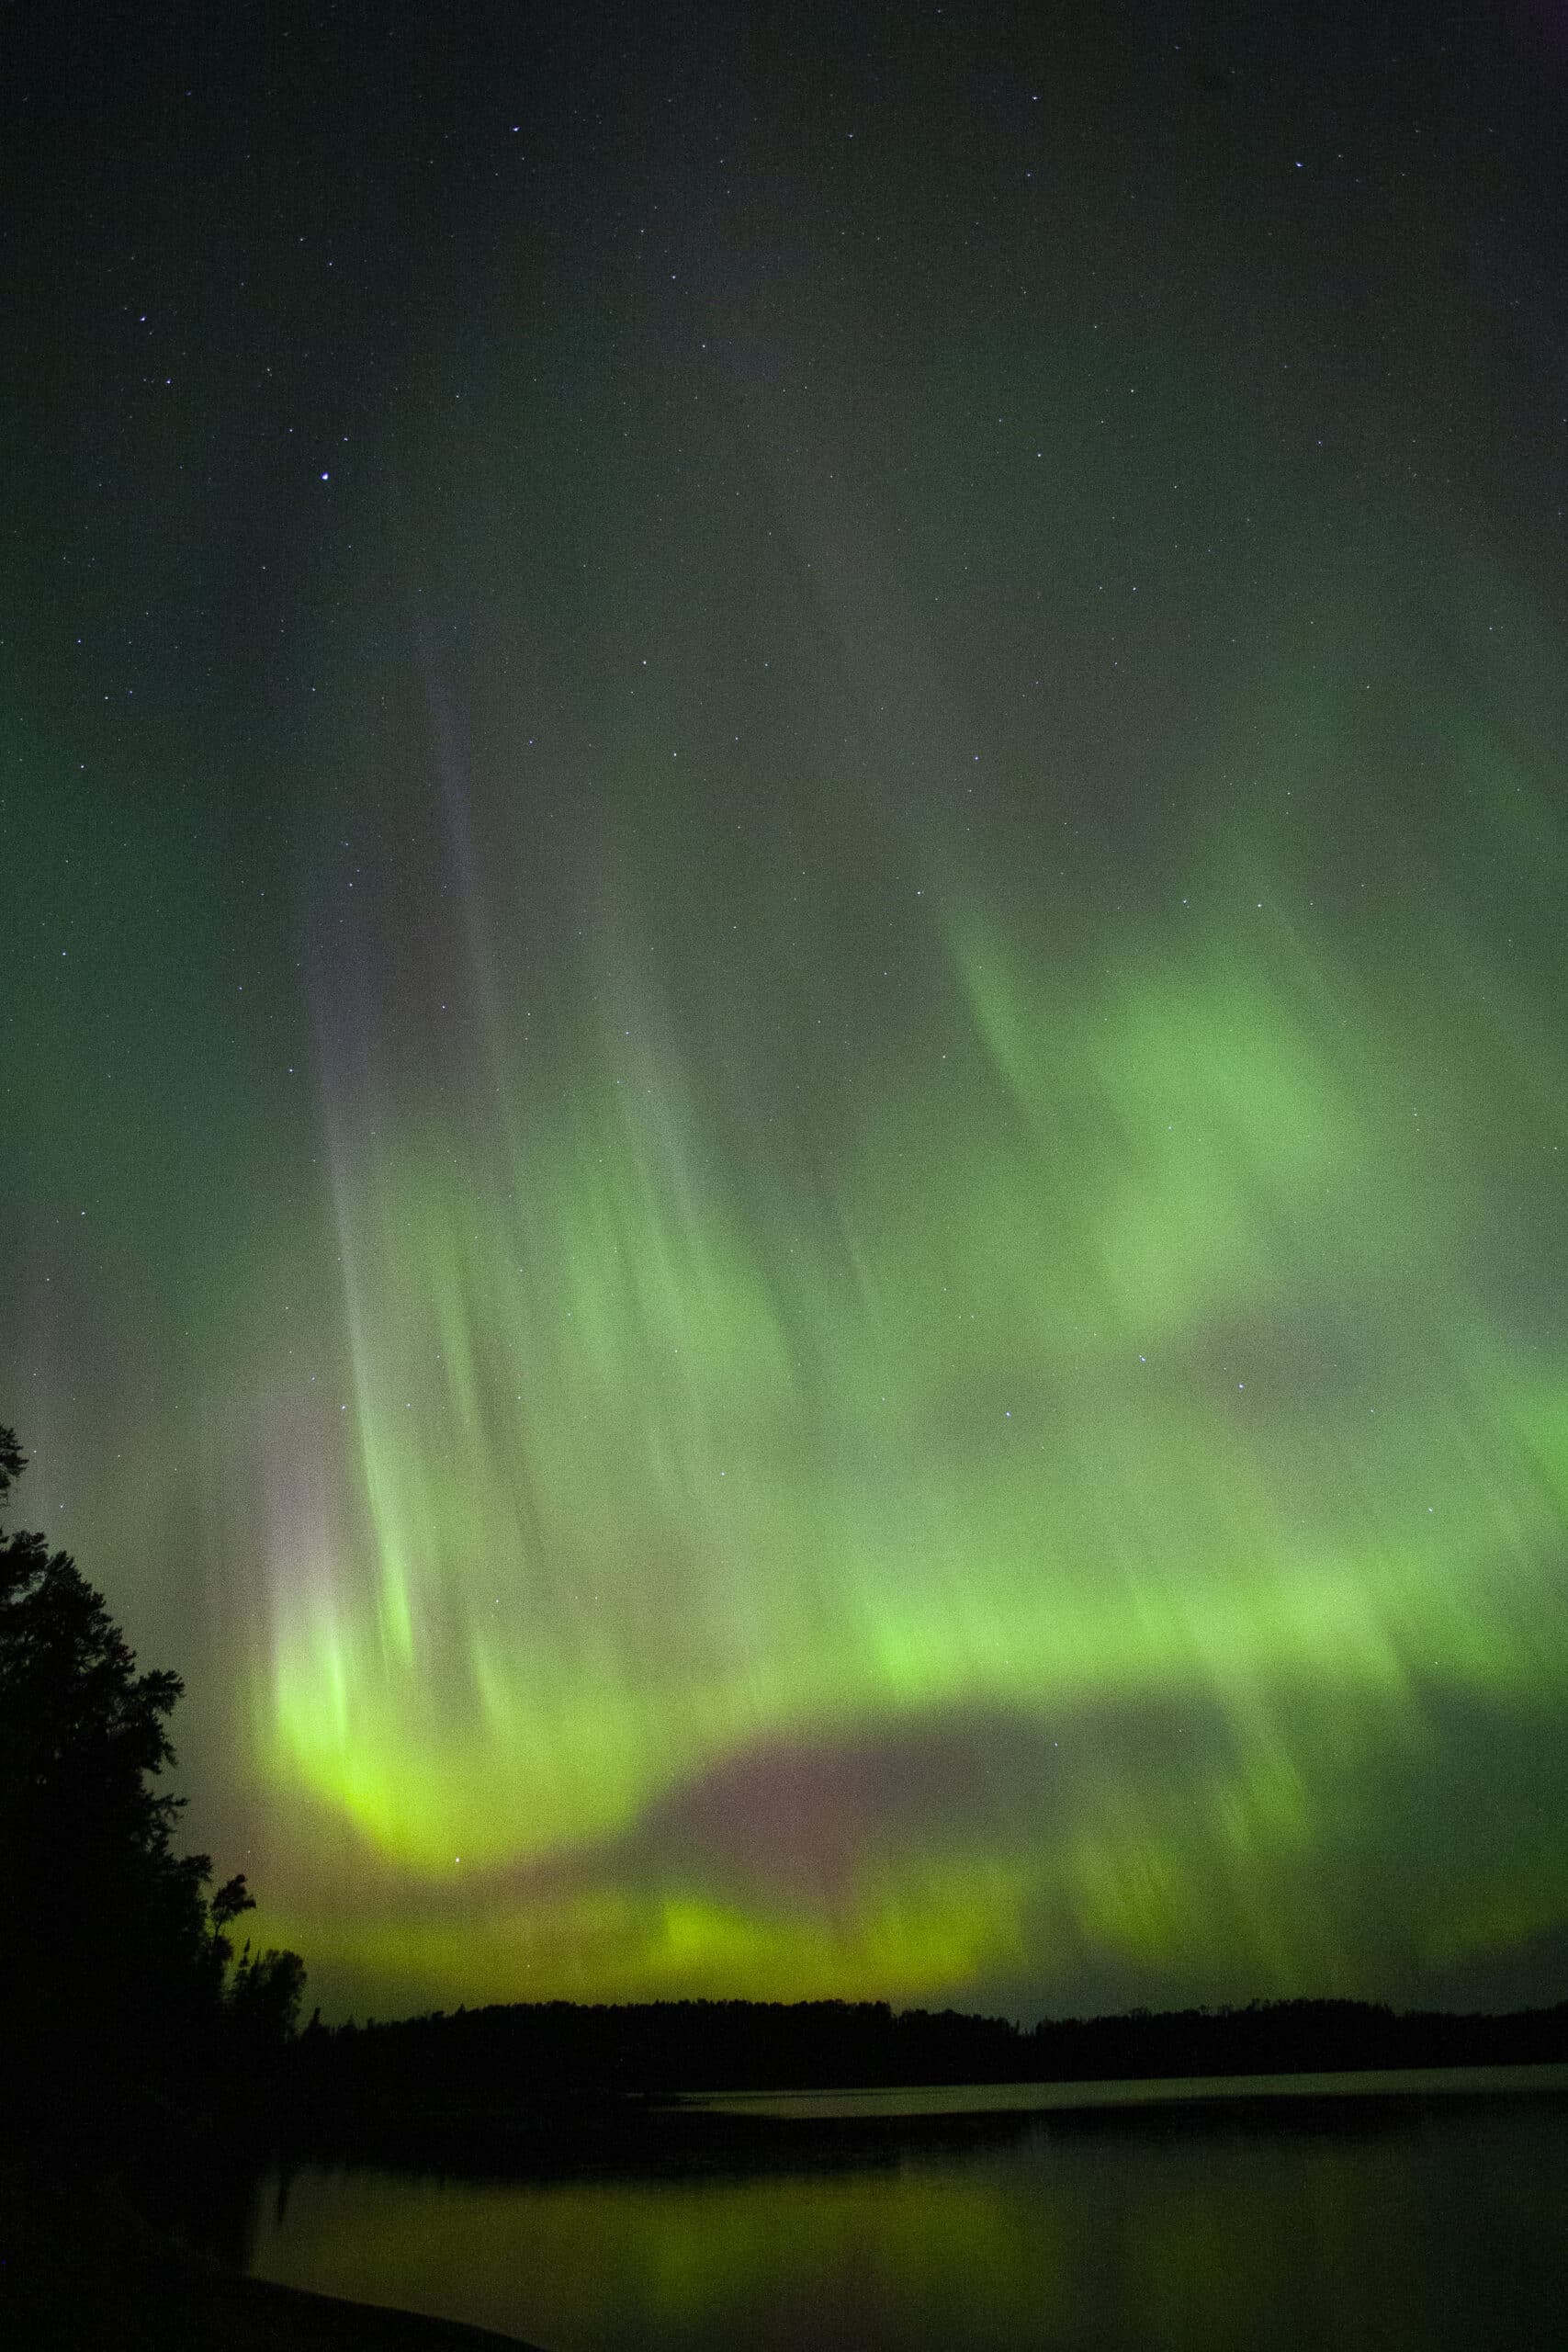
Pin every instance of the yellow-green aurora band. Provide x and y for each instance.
(783, 984)
(1144, 1444)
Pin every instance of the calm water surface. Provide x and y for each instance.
(1106, 2215)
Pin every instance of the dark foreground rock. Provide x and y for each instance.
(81, 2273)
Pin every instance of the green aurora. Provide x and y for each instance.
(1084, 1526)
(797, 1206)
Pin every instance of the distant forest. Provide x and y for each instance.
(490, 2056)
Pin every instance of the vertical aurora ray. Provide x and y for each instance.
(783, 1048)
(1138, 1389)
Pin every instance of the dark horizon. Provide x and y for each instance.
(579, 2045)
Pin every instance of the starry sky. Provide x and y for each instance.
(783, 1120)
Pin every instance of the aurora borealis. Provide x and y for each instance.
(783, 1053)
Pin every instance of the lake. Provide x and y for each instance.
(1402, 2213)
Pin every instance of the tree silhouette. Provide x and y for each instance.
(109, 1949)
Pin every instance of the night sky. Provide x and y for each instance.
(782, 1040)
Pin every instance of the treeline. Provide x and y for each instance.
(1289, 2037)
(491, 2058)
(118, 1974)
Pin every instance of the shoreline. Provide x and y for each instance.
(81, 2271)
(696, 2135)
(174, 2305)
